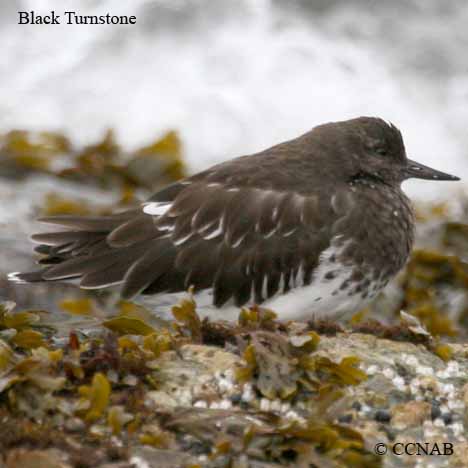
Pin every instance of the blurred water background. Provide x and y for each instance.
(234, 77)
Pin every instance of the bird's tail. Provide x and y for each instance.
(100, 250)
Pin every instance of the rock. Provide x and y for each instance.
(161, 399)
(74, 425)
(382, 416)
(23, 458)
(460, 455)
(195, 372)
(410, 414)
(156, 458)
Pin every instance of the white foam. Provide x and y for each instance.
(255, 84)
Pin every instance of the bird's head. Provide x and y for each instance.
(370, 148)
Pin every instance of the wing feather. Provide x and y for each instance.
(148, 268)
(195, 241)
(281, 233)
(137, 229)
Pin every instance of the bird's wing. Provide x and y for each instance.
(246, 243)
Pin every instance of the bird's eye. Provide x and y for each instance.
(381, 151)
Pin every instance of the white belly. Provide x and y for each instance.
(302, 303)
(322, 299)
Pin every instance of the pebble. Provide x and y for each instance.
(389, 373)
(356, 405)
(248, 393)
(438, 422)
(225, 404)
(411, 414)
(345, 418)
(75, 425)
(382, 416)
(139, 462)
(265, 405)
(455, 404)
(414, 387)
(285, 407)
(372, 369)
(365, 408)
(130, 380)
(448, 389)
(295, 416)
(224, 383)
(435, 410)
(275, 406)
(451, 370)
(399, 383)
(200, 404)
(447, 418)
(410, 360)
(236, 398)
(425, 370)
(458, 429)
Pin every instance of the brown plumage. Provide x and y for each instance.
(258, 225)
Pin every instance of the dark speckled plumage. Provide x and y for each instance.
(324, 210)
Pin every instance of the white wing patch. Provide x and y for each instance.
(215, 227)
(183, 239)
(14, 277)
(157, 208)
(217, 232)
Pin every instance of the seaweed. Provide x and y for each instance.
(426, 272)
(96, 390)
(104, 165)
(94, 398)
(282, 367)
(187, 322)
(119, 380)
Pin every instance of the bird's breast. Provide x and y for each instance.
(379, 231)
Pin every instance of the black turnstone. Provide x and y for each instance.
(315, 226)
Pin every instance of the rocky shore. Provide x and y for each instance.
(86, 380)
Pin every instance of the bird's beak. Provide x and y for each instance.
(419, 171)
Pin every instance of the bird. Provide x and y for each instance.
(312, 228)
